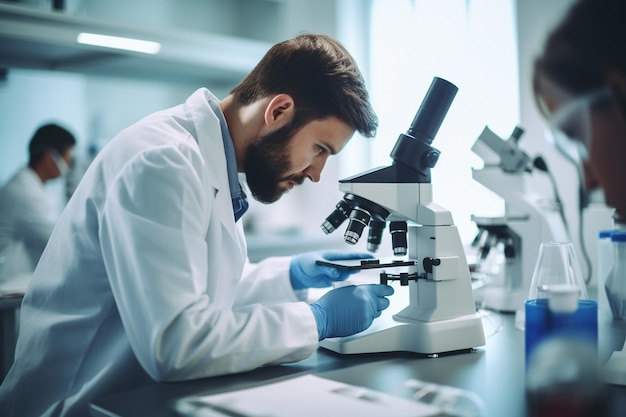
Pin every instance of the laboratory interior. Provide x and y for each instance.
(464, 202)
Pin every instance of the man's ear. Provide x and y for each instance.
(279, 110)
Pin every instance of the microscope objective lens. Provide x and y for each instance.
(338, 216)
(399, 251)
(351, 237)
(359, 218)
(375, 236)
(398, 237)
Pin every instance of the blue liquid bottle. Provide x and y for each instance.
(543, 323)
(558, 305)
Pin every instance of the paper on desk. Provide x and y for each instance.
(305, 396)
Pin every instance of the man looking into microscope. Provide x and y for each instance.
(146, 275)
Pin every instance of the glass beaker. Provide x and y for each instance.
(558, 304)
(615, 285)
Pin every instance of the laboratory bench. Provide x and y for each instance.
(495, 372)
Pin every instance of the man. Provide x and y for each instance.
(580, 85)
(26, 214)
(145, 277)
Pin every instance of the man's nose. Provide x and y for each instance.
(314, 171)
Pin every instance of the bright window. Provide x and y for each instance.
(470, 43)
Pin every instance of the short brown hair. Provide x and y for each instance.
(320, 75)
(47, 137)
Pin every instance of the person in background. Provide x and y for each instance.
(26, 214)
(146, 278)
(580, 86)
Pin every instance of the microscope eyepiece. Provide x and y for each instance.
(433, 110)
(338, 216)
(517, 134)
(359, 218)
(414, 149)
(398, 231)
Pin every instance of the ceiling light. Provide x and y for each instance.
(117, 42)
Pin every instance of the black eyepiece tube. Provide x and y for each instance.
(433, 110)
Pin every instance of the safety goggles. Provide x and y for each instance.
(571, 128)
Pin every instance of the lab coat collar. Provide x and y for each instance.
(209, 138)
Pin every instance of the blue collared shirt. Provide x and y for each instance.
(239, 198)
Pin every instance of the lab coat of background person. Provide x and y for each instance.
(26, 213)
(146, 275)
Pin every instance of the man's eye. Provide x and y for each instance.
(320, 149)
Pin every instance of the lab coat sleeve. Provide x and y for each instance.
(268, 281)
(152, 235)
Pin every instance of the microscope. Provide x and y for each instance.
(440, 316)
(529, 219)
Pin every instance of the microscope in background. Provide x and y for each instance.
(513, 240)
(440, 315)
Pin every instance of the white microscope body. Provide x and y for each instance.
(441, 314)
(529, 219)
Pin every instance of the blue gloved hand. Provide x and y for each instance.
(306, 273)
(348, 310)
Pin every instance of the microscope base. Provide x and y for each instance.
(389, 335)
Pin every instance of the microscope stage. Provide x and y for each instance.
(360, 264)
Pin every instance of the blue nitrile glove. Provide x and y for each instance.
(348, 310)
(305, 273)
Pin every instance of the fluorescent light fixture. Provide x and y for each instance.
(117, 42)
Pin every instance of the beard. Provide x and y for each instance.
(266, 163)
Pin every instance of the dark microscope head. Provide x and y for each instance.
(413, 157)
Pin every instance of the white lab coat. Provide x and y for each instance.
(26, 222)
(146, 277)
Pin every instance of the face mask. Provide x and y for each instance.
(62, 166)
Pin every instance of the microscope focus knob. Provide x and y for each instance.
(430, 158)
(428, 264)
